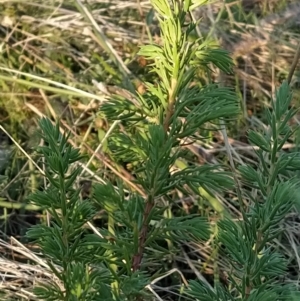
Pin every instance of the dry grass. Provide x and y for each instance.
(51, 55)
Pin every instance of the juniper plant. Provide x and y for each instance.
(257, 269)
(116, 265)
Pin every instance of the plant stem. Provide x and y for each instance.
(137, 258)
(170, 108)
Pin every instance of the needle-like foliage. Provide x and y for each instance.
(114, 262)
(257, 269)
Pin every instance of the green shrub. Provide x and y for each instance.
(114, 262)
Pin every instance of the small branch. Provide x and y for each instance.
(137, 258)
(169, 114)
(171, 103)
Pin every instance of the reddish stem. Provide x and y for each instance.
(137, 258)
